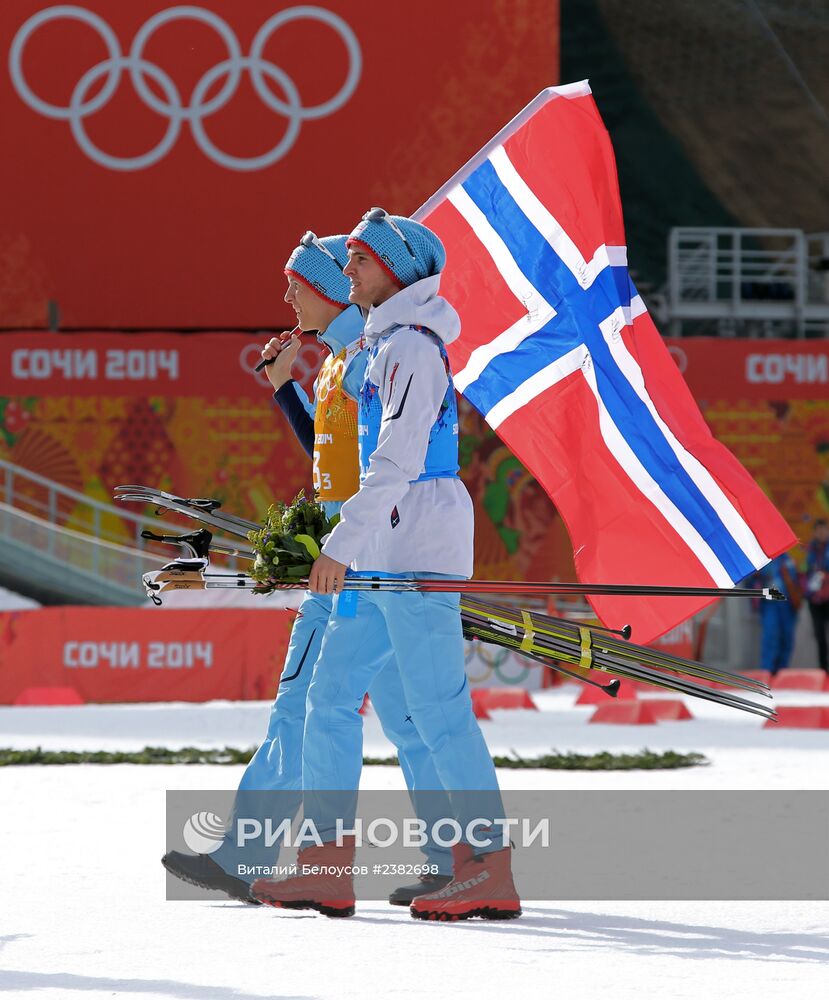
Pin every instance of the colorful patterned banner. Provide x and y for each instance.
(214, 431)
(768, 402)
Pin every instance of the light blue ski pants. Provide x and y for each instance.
(277, 764)
(424, 630)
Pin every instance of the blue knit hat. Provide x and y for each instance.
(424, 255)
(313, 267)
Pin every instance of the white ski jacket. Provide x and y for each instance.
(432, 529)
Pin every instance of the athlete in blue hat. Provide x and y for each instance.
(411, 516)
(318, 292)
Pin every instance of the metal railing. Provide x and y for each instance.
(758, 282)
(66, 564)
(75, 547)
(58, 504)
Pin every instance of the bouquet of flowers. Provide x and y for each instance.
(288, 542)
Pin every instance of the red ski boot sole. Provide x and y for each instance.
(484, 912)
(327, 909)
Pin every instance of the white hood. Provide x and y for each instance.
(416, 305)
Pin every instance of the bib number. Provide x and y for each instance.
(322, 481)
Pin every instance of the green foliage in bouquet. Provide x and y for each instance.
(288, 542)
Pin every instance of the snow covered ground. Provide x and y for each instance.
(83, 914)
(10, 601)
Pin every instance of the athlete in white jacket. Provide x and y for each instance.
(433, 527)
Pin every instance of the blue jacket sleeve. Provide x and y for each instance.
(298, 415)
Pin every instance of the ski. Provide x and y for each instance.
(205, 511)
(199, 544)
(517, 624)
(584, 647)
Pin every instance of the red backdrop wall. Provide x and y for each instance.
(142, 200)
(120, 655)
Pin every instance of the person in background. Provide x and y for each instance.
(817, 587)
(778, 618)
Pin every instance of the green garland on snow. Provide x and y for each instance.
(645, 759)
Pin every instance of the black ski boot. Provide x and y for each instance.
(404, 895)
(202, 870)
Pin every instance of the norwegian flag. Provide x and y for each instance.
(559, 354)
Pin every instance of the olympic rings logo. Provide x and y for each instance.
(81, 106)
(483, 662)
